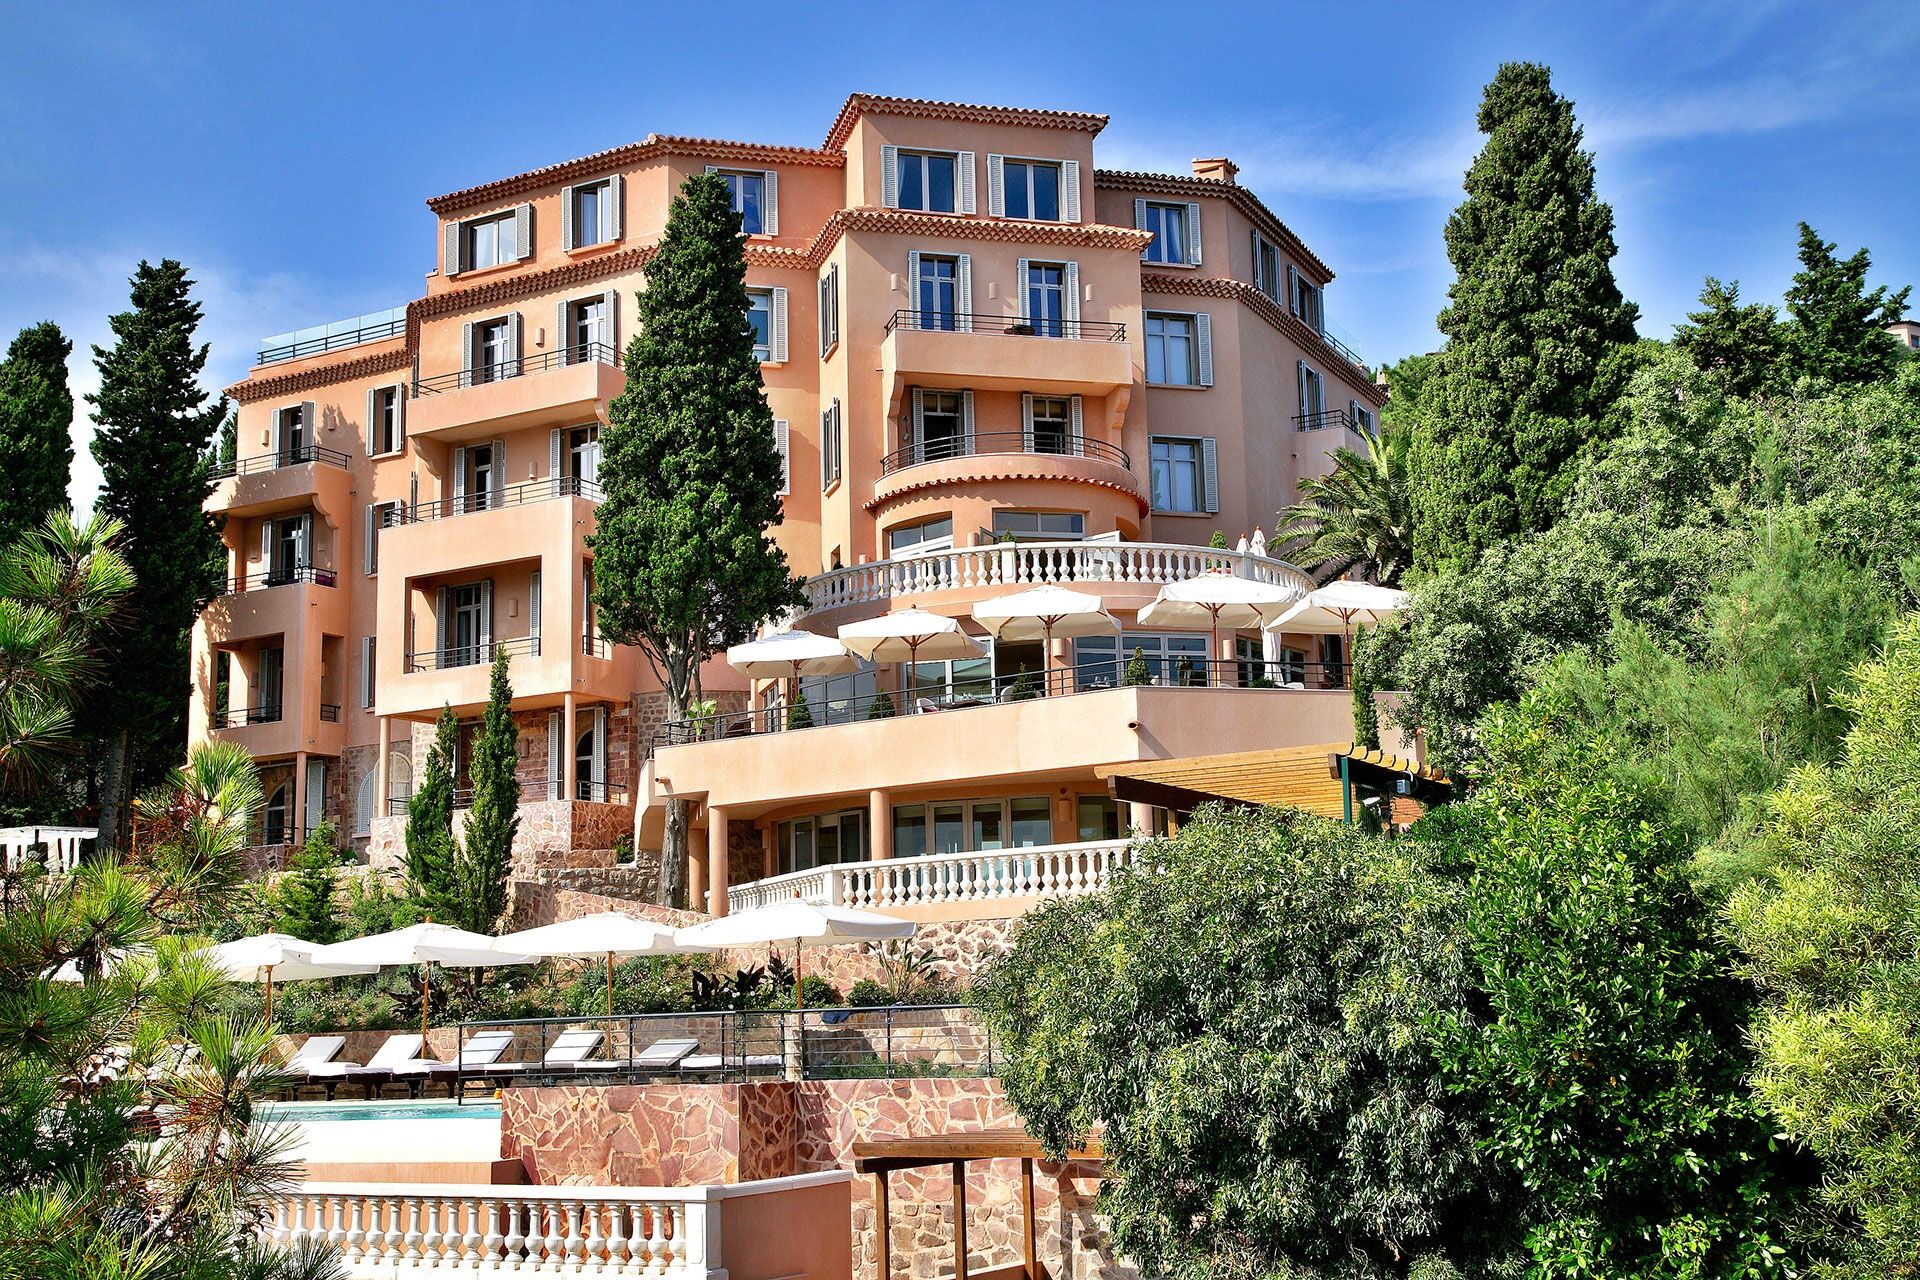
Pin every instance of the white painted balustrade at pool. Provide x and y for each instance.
(64, 846)
(383, 1230)
(1037, 871)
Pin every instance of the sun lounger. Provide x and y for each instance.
(660, 1056)
(568, 1049)
(379, 1069)
(482, 1049)
(315, 1051)
(701, 1064)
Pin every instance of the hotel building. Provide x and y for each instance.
(992, 365)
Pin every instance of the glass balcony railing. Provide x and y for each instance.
(321, 338)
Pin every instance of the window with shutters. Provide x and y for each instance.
(1047, 302)
(1172, 360)
(493, 355)
(830, 447)
(1313, 394)
(1039, 526)
(920, 538)
(830, 309)
(1168, 222)
(1050, 429)
(296, 435)
(468, 627)
(760, 320)
(1268, 272)
(590, 225)
(384, 430)
(1178, 479)
(487, 242)
(379, 516)
(747, 189)
(1032, 189)
(1307, 302)
(580, 459)
(589, 333)
(936, 291)
(1363, 420)
(929, 181)
(940, 425)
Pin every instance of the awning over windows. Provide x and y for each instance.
(1320, 779)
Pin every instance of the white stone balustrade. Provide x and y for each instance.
(1027, 564)
(387, 1230)
(63, 844)
(1038, 871)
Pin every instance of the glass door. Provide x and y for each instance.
(467, 635)
(272, 671)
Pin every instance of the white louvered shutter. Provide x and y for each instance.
(466, 353)
(303, 541)
(567, 231)
(778, 338)
(310, 422)
(770, 204)
(996, 186)
(963, 293)
(370, 531)
(523, 231)
(562, 340)
(450, 256)
(616, 219)
(459, 476)
(1203, 344)
(1079, 428)
(373, 425)
(919, 420)
(556, 450)
(1071, 277)
(1026, 421)
(1193, 234)
(1209, 475)
(964, 181)
(486, 618)
(890, 177)
(966, 417)
(1140, 224)
(913, 288)
(556, 753)
(266, 545)
(781, 444)
(1069, 191)
(366, 671)
(610, 309)
(533, 608)
(514, 348)
(399, 415)
(600, 751)
(1020, 275)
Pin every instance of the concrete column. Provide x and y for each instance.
(1140, 817)
(769, 849)
(717, 861)
(696, 872)
(569, 758)
(298, 817)
(383, 767)
(879, 824)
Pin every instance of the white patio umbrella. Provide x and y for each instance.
(1220, 599)
(910, 636)
(267, 956)
(790, 655)
(807, 924)
(426, 945)
(1332, 609)
(1044, 614)
(605, 933)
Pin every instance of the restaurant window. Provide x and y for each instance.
(1098, 818)
(823, 841)
(1101, 662)
(1039, 526)
(918, 539)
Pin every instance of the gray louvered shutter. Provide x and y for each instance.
(890, 177)
(459, 476)
(373, 426)
(770, 204)
(1020, 270)
(1071, 276)
(523, 231)
(303, 532)
(1259, 276)
(1300, 387)
(778, 338)
(1140, 224)
(1079, 428)
(913, 288)
(919, 420)
(996, 186)
(610, 307)
(1026, 421)
(310, 422)
(266, 545)
(963, 293)
(826, 449)
(533, 608)
(616, 219)
(566, 218)
(497, 491)
(781, 444)
(371, 526)
(1193, 234)
(486, 618)
(466, 354)
(556, 447)
(1203, 343)
(966, 417)
(514, 348)
(963, 165)
(1293, 290)
(1209, 475)
(823, 310)
(1069, 191)
(366, 671)
(556, 754)
(442, 623)
(562, 340)
(450, 254)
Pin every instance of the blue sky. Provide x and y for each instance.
(285, 152)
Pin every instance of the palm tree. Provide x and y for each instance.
(1358, 516)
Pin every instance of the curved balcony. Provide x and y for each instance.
(998, 457)
(984, 442)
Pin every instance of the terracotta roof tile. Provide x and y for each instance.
(859, 104)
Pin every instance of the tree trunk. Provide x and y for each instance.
(113, 782)
(672, 888)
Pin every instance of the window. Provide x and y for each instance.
(468, 628)
(929, 181)
(941, 424)
(590, 758)
(296, 434)
(936, 290)
(971, 826)
(823, 841)
(289, 547)
(270, 668)
(751, 191)
(1363, 420)
(1098, 818)
(1170, 350)
(1032, 189)
(488, 242)
(274, 821)
(918, 539)
(383, 421)
(1047, 304)
(1179, 474)
(1307, 301)
(1173, 231)
(379, 516)
(1333, 656)
(479, 476)
(960, 678)
(589, 331)
(1050, 424)
(767, 317)
(1170, 657)
(1040, 526)
(830, 446)
(493, 351)
(829, 309)
(589, 214)
(1313, 396)
(1267, 274)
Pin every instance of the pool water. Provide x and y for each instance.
(331, 1112)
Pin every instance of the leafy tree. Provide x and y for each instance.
(1743, 346)
(486, 852)
(1832, 935)
(1536, 331)
(1358, 516)
(431, 851)
(683, 563)
(1603, 1055)
(153, 428)
(36, 424)
(305, 894)
(1241, 1010)
(1836, 328)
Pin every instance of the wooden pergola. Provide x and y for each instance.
(1321, 779)
(881, 1157)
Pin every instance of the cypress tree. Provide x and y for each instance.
(1535, 327)
(683, 565)
(1743, 346)
(430, 848)
(154, 424)
(36, 424)
(486, 851)
(306, 892)
(1836, 329)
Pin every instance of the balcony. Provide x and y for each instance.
(300, 601)
(1328, 419)
(285, 577)
(513, 495)
(319, 339)
(1002, 442)
(994, 457)
(558, 388)
(290, 480)
(472, 655)
(901, 886)
(278, 728)
(961, 350)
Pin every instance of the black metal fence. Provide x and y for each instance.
(282, 458)
(1018, 326)
(501, 370)
(1057, 444)
(512, 495)
(471, 655)
(281, 578)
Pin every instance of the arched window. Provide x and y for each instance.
(275, 827)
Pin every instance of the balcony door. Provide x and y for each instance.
(582, 455)
(468, 625)
(1046, 299)
(589, 333)
(942, 424)
(493, 351)
(936, 291)
(479, 475)
(296, 435)
(590, 758)
(289, 543)
(271, 670)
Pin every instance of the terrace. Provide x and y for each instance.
(334, 336)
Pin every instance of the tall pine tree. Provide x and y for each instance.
(1535, 328)
(1742, 346)
(36, 425)
(486, 851)
(683, 565)
(153, 427)
(431, 852)
(1836, 328)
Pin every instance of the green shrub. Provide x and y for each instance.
(1137, 672)
(799, 714)
(881, 708)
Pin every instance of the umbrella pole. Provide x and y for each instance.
(913, 654)
(426, 994)
(609, 986)
(269, 997)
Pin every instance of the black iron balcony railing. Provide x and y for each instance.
(513, 495)
(987, 442)
(1019, 326)
(281, 578)
(500, 370)
(1324, 418)
(281, 458)
(531, 789)
(241, 717)
(471, 655)
(330, 712)
(323, 343)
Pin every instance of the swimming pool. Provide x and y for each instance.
(336, 1112)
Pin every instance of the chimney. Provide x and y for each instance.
(1219, 167)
